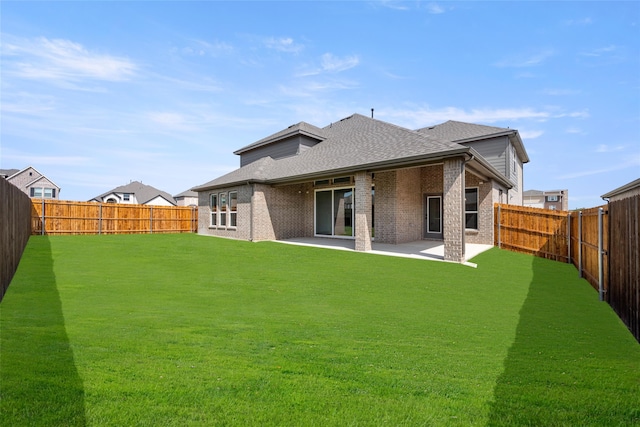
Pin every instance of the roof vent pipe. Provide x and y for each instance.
(372, 113)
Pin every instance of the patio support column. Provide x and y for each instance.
(453, 212)
(363, 211)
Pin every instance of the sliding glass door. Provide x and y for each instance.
(334, 212)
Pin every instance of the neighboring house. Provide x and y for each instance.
(187, 198)
(136, 193)
(32, 182)
(552, 199)
(361, 178)
(628, 190)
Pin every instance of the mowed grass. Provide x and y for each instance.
(176, 330)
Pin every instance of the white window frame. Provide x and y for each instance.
(213, 209)
(233, 210)
(223, 207)
(476, 212)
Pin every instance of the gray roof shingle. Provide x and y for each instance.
(144, 193)
(353, 143)
(459, 131)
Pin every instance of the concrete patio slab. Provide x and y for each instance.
(431, 250)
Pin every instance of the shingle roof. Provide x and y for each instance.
(462, 133)
(8, 172)
(186, 193)
(144, 193)
(459, 131)
(354, 143)
(301, 128)
(623, 189)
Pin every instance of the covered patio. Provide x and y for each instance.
(431, 250)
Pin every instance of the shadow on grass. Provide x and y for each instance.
(571, 362)
(39, 382)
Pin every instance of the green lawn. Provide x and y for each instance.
(177, 330)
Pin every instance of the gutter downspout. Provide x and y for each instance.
(463, 216)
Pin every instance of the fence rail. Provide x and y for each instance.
(56, 217)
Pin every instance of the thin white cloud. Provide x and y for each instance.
(435, 8)
(634, 161)
(600, 51)
(45, 160)
(579, 21)
(424, 116)
(63, 61)
(575, 131)
(201, 48)
(329, 63)
(393, 4)
(522, 61)
(531, 134)
(334, 64)
(283, 44)
(604, 148)
(561, 92)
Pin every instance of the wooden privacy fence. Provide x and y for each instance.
(15, 229)
(624, 261)
(578, 237)
(65, 217)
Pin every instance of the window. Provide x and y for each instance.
(233, 208)
(126, 197)
(334, 212)
(214, 210)
(42, 193)
(222, 204)
(552, 198)
(342, 180)
(471, 208)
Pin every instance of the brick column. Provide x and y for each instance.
(453, 212)
(363, 211)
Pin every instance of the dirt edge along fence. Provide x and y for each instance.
(15, 229)
(578, 237)
(58, 217)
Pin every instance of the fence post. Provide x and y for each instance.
(600, 257)
(100, 220)
(43, 219)
(569, 238)
(499, 217)
(580, 244)
(151, 220)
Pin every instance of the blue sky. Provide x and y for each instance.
(96, 94)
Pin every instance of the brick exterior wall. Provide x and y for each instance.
(385, 202)
(282, 212)
(264, 212)
(243, 230)
(409, 225)
(484, 235)
(431, 179)
(453, 184)
(363, 211)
